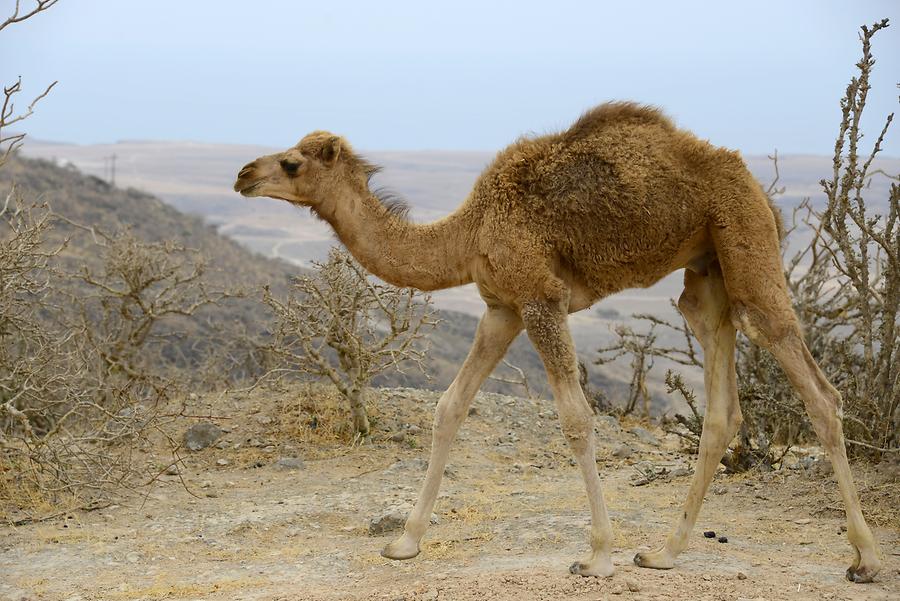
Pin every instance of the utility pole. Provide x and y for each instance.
(109, 169)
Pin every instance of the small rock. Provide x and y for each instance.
(623, 451)
(133, 557)
(719, 490)
(414, 429)
(199, 436)
(263, 420)
(723, 539)
(206, 484)
(509, 437)
(398, 436)
(609, 421)
(709, 534)
(678, 472)
(572, 461)
(632, 585)
(222, 462)
(823, 468)
(289, 463)
(706, 577)
(172, 470)
(645, 436)
(393, 519)
(741, 576)
(803, 521)
(473, 411)
(617, 589)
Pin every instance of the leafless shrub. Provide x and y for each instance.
(340, 325)
(845, 285)
(516, 378)
(8, 115)
(640, 346)
(88, 361)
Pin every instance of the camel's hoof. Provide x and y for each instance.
(601, 569)
(402, 548)
(656, 560)
(861, 574)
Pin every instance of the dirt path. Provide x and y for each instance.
(511, 517)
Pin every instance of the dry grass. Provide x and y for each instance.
(316, 416)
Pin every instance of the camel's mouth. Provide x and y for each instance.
(245, 188)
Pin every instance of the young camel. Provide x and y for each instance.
(556, 223)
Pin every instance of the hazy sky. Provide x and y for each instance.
(751, 75)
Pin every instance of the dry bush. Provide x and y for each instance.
(86, 362)
(8, 114)
(340, 325)
(845, 285)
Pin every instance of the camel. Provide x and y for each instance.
(555, 223)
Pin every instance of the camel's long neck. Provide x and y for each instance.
(427, 256)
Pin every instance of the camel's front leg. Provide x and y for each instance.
(546, 323)
(497, 329)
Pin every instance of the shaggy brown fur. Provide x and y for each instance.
(557, 222)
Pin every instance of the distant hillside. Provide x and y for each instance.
(91, 201)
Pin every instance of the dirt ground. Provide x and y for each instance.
(274, 513)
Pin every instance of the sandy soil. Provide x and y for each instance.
(511, 517)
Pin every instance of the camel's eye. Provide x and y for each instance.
(290, 167)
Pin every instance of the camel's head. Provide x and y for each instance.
(307, 174)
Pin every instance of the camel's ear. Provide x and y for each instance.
(331, 150)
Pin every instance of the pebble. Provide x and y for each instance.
(623, 451)
(609, 421)
(398, 436)
(710, 534)
(133, 557)
(199, 436)
(632, 585)
(723, 539)
(803, 521)
(222, 462)
(645, 436)
(289, 463)
(741, 576)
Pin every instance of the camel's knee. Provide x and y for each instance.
(448, 414)
(765, 329)
(577, 424)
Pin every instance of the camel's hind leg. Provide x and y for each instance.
(706, 308)
(747, 248)
(496, 331)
